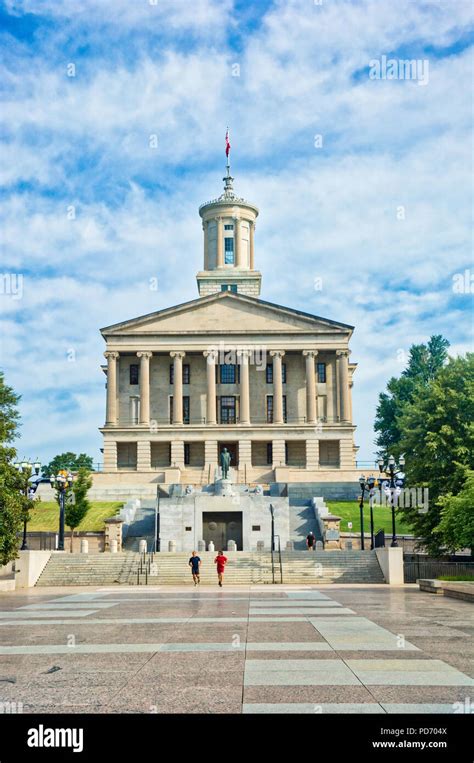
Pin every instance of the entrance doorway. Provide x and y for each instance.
(233, 448)
(222, 526)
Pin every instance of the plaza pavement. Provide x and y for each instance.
(306, 649)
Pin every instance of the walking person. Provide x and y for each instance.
(195, 563)
(221, 562)
(311, 541)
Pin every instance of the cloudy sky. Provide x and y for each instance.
(114, 120)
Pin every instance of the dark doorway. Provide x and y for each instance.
(222, 526)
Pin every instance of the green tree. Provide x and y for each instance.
(76, 511)
(11, 503)
(456, 528)
(69, 462)
(438, 440)
(425, 360)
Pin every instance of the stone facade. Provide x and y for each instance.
(271, 383)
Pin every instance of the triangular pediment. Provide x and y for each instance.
(229, 313)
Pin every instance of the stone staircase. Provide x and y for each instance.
(244, 567)
(65, 569)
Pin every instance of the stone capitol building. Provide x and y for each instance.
(228, 370)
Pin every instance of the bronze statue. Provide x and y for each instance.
(225, 463)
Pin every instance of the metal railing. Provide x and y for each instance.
(432, 568)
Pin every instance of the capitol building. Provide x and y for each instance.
(228, 369)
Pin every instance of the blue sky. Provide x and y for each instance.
(90, 212)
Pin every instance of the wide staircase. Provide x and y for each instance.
(245, 568)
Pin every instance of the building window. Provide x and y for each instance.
(171, 409)
(256, 528)
(186, 373)
(228, 251)
(228, 410)
(286, 452)
(269, 372)
(285, 418)
(322, 373)
(187, 453)
(228, 227)
(269, 409)
(269, 453)
(134, 378)
(229, 373)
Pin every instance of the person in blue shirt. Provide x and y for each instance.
(195, 563)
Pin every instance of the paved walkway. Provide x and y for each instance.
(359, 649)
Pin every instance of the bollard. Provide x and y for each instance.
(113, 545)
(142, 546)
(172, 546)
(231, 545)
(211, 546)
(84, 546)
(201, 545)
(260, 545)
(290, 545)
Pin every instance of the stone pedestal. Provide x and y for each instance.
(332, 534)
(224, 488)
(113, 532)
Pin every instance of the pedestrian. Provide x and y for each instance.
(195, 563)
(311, 541)
(221, 561)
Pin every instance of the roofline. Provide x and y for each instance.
(225, 295)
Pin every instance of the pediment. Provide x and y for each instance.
(226, 313)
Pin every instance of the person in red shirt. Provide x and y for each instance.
(221, 561)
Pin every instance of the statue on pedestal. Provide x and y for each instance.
(225, 463)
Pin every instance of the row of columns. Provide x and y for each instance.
(238, 253)
(342, 385)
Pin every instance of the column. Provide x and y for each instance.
(144, 386)
(237, 243)
(220, 242)
(251, 245)
(329, 390)
(312, 454)
(344, 404)
(211, 357)
(205, 228)
(111, 414)
(311, 389)
(343, 377)
(110, 456)
(244, 387)
(278, 453)
(177, 454)
(351, 384)
(210, 458)
(245, 454)
(177, 387)
(143, 456)
(277, 356)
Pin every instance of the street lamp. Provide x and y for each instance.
(369, 486)
(395, 484)
(25, 469)
(61, 482)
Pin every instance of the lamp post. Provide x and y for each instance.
(62, 481)
(25, 469)
(369, 486)
(395, 483)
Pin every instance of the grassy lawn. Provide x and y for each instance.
(350, 512)
(470, 578)
(45, 516)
